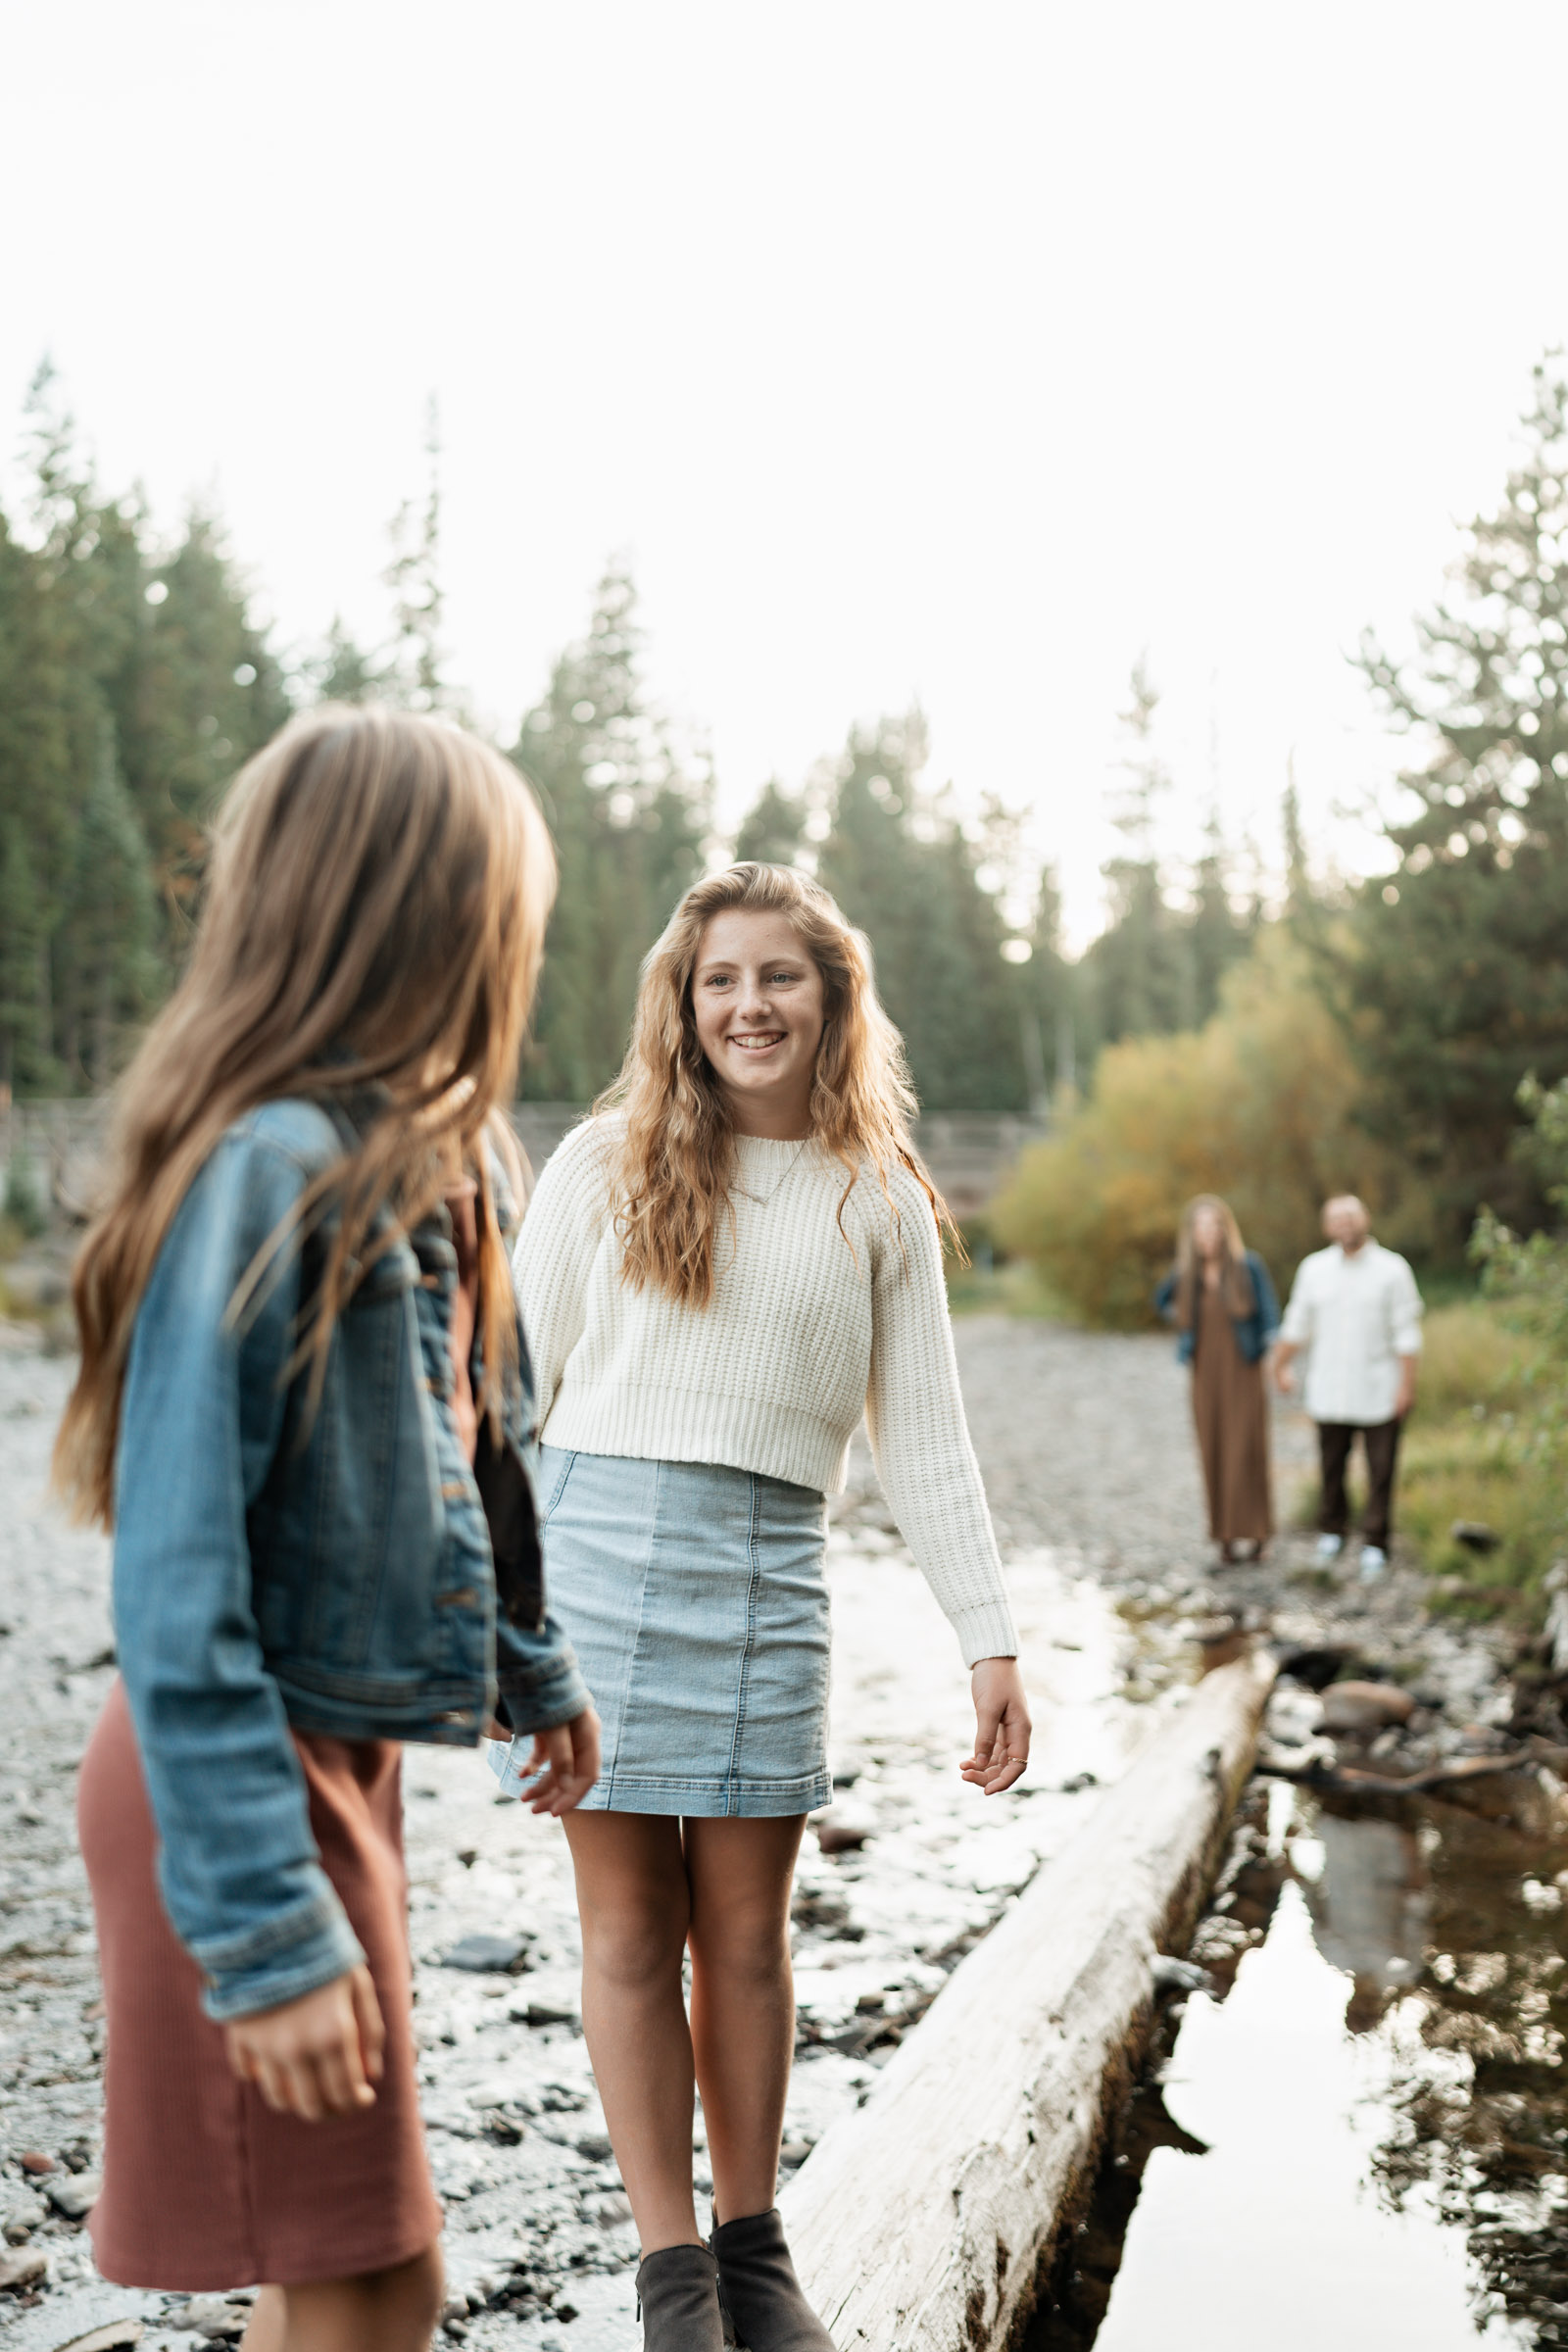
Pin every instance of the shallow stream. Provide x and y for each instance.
(1359, 2137)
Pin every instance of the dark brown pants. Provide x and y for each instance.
(1380, 1445)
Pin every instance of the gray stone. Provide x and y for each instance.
(1171, 1974)
(488, 1955)
(118, 2336)
(74, 2195)
(1365, 1708)
(213, 2316)
(27, 2267)
(545, 2013)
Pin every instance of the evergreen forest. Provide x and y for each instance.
(135, 680)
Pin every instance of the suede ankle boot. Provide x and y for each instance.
(677, 2295)
(759, 2290)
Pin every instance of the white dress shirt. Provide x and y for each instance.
(1354, 1317)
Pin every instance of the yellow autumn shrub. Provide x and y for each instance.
(1258, 1106)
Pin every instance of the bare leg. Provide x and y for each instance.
(743, 1999)
(384, 2311)
(634, 1901)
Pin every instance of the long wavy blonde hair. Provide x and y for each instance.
(671, 1178)
(1236, 1278)
(375, 908)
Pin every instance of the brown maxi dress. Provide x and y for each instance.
(1230, 1411)
(204, 2185)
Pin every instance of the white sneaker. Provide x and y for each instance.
(1374, 1559)
(1329, 1547)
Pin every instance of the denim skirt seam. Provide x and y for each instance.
(695, 1596)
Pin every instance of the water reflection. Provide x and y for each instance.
(1363, 2138)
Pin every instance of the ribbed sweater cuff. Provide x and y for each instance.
(986, 1633)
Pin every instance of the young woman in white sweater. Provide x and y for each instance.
(720, 1273)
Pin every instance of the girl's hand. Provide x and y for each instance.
(566, 1760)
(314, 2056)
(1000, 1725)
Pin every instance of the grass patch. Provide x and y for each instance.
(1478, 1449)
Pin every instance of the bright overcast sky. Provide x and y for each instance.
(953, 351)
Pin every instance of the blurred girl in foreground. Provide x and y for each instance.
(1222, 1302)
(303, 1407)
(721, 1272)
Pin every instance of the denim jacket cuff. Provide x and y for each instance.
(311, 1946)
(545, 1700)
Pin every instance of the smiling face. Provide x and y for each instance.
(757, 1004)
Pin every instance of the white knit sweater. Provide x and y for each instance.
(807, 1328)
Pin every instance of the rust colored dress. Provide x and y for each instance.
(1231, 1413)
(204, 2185)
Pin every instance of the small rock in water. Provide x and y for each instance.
(119, 2337)
(76, 2195)
(1365, 1706)
(1171, 1974)
(19, 2271)
(594, 2144)
(483, 1955)
(37, 2163)
(1078, 1783)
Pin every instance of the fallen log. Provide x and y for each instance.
(926, 2220)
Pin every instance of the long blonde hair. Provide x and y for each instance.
(676, 1158)
(375, 915)
(1236, 1284)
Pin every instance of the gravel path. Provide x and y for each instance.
(1085, 1445)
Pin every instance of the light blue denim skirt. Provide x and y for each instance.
(695, 1599)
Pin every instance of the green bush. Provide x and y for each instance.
(23, 1205)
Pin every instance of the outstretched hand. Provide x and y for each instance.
(1000, 1725)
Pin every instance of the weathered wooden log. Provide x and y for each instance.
(926, 2220)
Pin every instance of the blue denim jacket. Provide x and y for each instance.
(333, 1571)
(1254, 1332)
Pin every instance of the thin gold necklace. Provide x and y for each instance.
(762, 1199)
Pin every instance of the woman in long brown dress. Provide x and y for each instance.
(1220, 1296)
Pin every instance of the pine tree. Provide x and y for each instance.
(105, 641)
(106, 949)
(630, 821)
(1455, 975)
(1137, 976)
(203, 693)
(773, 828)
(1300, 897)
(1215, 938)
(903, 869)
(344, 672)
(415, 578)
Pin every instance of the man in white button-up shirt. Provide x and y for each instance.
(1355, 1310)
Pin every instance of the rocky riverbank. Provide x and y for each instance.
(1086, 1447)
